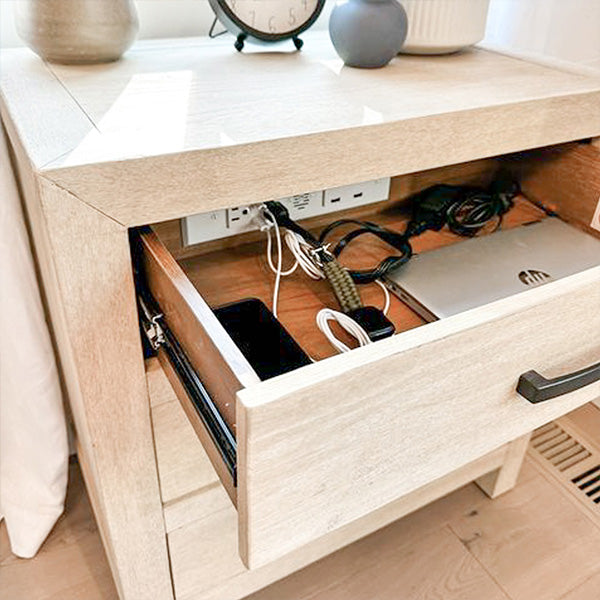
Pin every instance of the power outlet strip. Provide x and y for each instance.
(219, 224)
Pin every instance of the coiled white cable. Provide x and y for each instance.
(326, 315)
(302, 252)
(270, 253)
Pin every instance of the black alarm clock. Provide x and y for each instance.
(267, 20)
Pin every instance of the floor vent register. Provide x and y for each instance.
(564, 452)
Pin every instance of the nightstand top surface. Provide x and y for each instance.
(198, 98)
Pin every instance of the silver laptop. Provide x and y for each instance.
(455, 278)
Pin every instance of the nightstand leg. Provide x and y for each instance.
(505, 478)
(85, 263)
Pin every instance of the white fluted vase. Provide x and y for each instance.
(444, 26)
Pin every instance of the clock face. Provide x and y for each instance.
(274, 17)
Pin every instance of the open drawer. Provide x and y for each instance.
(308, 452)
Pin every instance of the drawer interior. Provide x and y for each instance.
(233, 269)
(221, 272)
(235, 273)
(562, 180)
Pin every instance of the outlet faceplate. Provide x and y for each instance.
(350, 196)
(218, 224)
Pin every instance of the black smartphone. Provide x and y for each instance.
(262, 339)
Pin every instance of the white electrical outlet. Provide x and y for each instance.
(204, 227)
(349, 196)
(240, 219)
(303, 206)
(232, 221)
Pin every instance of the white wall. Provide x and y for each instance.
(564, 29)
(158, 18)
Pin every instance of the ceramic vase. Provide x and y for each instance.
(368, 33)
(77, 31)
(444, 26)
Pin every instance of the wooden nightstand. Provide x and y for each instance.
(337, 449)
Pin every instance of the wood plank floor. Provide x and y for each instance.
(535, 543)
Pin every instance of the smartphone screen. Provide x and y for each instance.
(262, 339)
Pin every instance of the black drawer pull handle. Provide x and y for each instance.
(536, 388)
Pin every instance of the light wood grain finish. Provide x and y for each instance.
(315, 447)
(71, 564)
(329, 461)
(156, 137)
(182, 465)
(43, 139)
(202, 433)
(114, 434)
(479, 173)
(223, 367)
(587, 590)
(223, 575)
(552, 540)
(504, 479)
(530, 552)
(156, 113)
(565, 179)
(396, 565)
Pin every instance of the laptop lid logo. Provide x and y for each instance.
(534, 278)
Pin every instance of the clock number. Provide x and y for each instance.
(305, 2)
(272, 27)
(292, 20)
(253, 15)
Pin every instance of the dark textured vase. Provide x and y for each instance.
(368, 33)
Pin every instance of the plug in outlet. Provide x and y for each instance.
(240, 219)
(218, 224)
(232, 221)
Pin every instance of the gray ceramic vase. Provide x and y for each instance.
(77, 31)
(368, 33)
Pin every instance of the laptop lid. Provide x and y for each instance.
(459, 277)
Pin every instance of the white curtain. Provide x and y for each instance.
(33, 439)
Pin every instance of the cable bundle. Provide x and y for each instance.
(306, 258)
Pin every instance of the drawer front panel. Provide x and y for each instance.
(327, 445)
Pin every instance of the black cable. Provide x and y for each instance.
(371, 319)
(465, 210)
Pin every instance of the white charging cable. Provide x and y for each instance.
(325, 315)
(304, 258)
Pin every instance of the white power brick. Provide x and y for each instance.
(218, 224)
